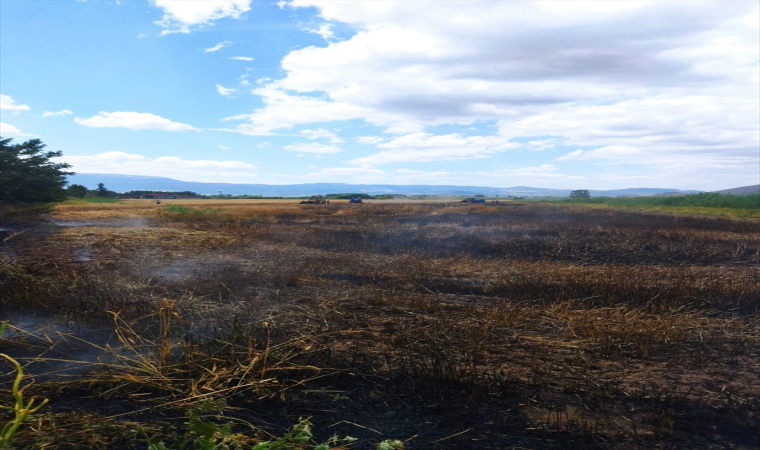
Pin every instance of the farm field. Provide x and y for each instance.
(441, 325)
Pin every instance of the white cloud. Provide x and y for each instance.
(243, 79)
(542, 144)
(224, 91)
(242, 58)
(221, 147)
(420, 147)
(324, 30)
(550, 74)
(454, 62)
(133, 120)
(63, 112)
(418, 176)
(183, 169)
(284, 111)
(312, 147)
(542, 171)
(698, 172)
(545, 175)
(7, 103)
(8, 130)
(656, 126)
(218, 46)
(321, 133)
(181, 16)
(371, 140)
(349, 175)
(615, 152)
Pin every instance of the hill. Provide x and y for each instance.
(744, 190)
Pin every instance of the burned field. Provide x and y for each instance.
(442, 325)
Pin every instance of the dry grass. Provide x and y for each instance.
(459, 326)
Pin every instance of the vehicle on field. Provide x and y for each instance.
(473, 200)
(314, 200)
(355, 199)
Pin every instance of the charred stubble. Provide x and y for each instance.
(525, 325)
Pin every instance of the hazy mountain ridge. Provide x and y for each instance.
(124, 183)
(743, 190)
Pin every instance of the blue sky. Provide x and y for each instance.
(566, 94)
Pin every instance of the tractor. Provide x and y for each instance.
(314, 200)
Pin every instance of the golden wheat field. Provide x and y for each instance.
(440, 325)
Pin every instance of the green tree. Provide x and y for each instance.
(27, 174)
(103, 191)
(580, 193)
(77, 190)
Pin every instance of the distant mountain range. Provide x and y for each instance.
(125, 183)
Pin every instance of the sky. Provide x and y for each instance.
(554, 94)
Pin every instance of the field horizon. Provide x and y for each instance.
(124, 183)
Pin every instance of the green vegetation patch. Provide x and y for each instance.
(704, 200)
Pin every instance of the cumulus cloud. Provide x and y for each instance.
(321, 133)
(421, 147)
(542, 144)
(443, 63)
(284, 111)
(218, 46)
(224, 91)
(183, 169)
(417, 176)
(182, 16)
(242, 58)
(63, 112)
(133, 120)
(542, 171)
(550, 74)
(349, 175)
(312, 147)
(612, 152)
(8, 130)
(650, 127)
(371, 140)
(8, 103)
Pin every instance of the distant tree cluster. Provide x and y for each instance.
(580, 193)
(133, 193)
(348, 196)
(244, 197)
